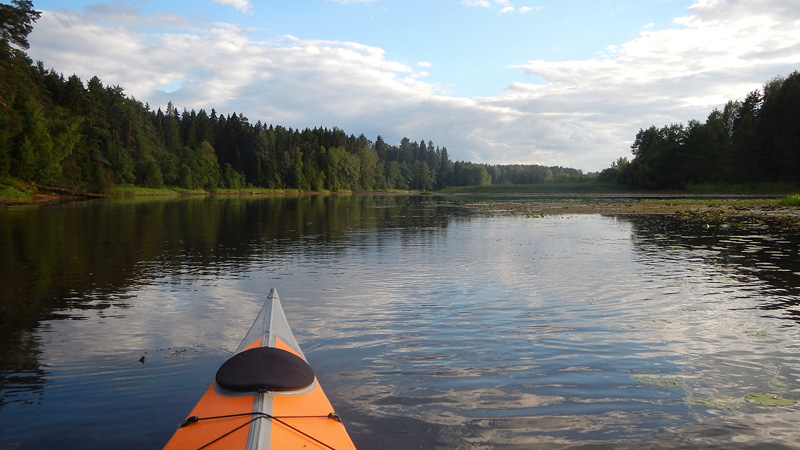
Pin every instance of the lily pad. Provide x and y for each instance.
(658, 380)
(769, 399)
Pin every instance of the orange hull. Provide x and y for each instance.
(301, 418)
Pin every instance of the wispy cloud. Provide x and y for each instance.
(503, 6)
(479, 3)
(240, 5)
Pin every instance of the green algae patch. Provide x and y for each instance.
(658, 380)
(769, 399)
(757, 334)
(698, 308)
(716, 402)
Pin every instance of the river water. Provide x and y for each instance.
(428, 324)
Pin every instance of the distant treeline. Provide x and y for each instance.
(58, 131)
(752, 141)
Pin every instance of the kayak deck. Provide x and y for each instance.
(264, 419)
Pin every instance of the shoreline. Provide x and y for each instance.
(705, 211)
(646, 206)
(711, 209)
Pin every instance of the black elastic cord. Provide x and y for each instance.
(261, 415)
(229, 432)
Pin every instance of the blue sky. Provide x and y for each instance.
(499, 81)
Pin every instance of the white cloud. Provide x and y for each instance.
(662, 76)
(577, 113)
(240, 5)
(306, 82)
(505, 6)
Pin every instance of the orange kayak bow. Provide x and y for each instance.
(265, 396)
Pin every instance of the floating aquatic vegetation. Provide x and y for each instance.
(757, 334)
(780, 385)
(769, 399)
(698, 308)
(658, 380)
(717, 402)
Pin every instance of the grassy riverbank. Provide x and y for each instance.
(12, 192)
(790, 200)
(135, 191)
(15, 192)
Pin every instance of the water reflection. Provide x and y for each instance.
(429, 326)
(762, 257)
(76, 261)
(514, 321)
(724, 281)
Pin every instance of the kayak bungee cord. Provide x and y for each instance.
(261, 415)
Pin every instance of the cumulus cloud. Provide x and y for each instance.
(288, 80)
(664, 76)
(577, 113)
(589, 110)
(703, 56)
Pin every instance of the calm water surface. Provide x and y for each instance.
(429, 326)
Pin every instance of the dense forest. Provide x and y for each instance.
(756, 140)
(58, 131)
